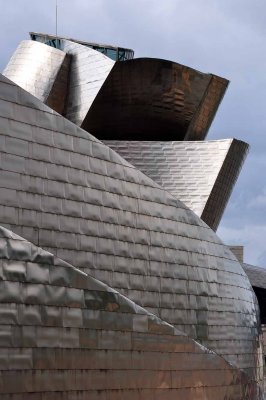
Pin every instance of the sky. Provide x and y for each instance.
(224, 37)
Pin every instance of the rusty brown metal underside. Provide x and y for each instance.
(153, 99)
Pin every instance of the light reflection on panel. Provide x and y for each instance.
(88, 71)
(69, 193)
(201, 174)
(65, 335)
(136, 99)
(42, 71)
(155, 99)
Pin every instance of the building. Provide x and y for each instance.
(112, 287)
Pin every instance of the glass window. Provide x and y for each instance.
(116, 54)
(111, 54)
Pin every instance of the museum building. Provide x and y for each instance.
(114, 284)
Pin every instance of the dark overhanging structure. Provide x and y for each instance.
(125, 290)
(151, 99)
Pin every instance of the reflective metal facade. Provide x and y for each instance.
(140, 99)
(65, 335)
(153, 99)
(88, 71)
(42, 71)
(113, 52)
(200, 174)
(69, 193)
(179, 288)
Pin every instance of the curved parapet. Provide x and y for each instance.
(72, 195)
(42, 71)
(152, 99)
(200, 174)
(65, 335)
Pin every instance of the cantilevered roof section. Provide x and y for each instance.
(113, 52)
(137, 99)
(153, 99)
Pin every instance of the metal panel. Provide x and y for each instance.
(201, 174)
(42, 71)
(88, 71)
(135, 99)
(109, 348)
(113, 222)
(153, 99)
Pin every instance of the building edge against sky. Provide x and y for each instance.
(67, 192)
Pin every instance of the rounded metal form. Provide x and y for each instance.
(69, 193)
(139, 99)
(41, 70)
(201, 174)
(65, 335)
(156, 306)
(154, 99)
(88, 71)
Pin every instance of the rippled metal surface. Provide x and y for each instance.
(42, 71)
(71, 194)
(88, 71)
(139, 99)
(196, 173)
(65, 335)
(153, 99)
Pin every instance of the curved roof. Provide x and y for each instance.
(42, 71)
(66, 335)
(69, 193)
(154, 99)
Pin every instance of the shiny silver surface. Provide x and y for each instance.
(88, 71)
(139, 99)
(65, 335)
(196, 173)
(41, 70)
(69, 193)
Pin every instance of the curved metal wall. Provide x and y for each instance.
(200, 174)
(153, 99)
(64, 335)
(88, 71)
(64, 190)
(140, 99)
(41, 70)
